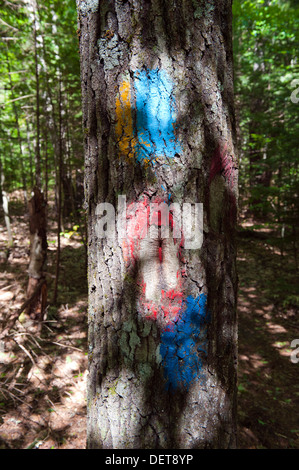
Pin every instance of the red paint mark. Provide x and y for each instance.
(222, 163)
(139, 219)
(172, 294)
(170, 304)
(137, 227)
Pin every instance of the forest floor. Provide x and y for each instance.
(43, 375)
(268, 300)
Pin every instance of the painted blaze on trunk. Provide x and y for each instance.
(159, 124)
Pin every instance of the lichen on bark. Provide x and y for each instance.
(157, 96)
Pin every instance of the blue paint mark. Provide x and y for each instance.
(155, 116)
(184, 343)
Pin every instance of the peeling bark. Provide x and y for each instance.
(158, 119)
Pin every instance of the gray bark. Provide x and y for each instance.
(38, 256)
(155, 383)
(5, 205)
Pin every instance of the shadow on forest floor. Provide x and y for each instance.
(43, 376)
(268, 384)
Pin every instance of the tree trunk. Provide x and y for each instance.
(5, 201)
(158, 118)
(57, 268)
(37, 112)
(15, 110)
(46, 165)
(38, 255)
(30, 153)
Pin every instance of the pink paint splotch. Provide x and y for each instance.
(223, 164)
(140, 217)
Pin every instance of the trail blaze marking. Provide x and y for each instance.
(155, 112)
(156, 116)
(183, 344)
(157, 259)
(124, 122)
(145, 130)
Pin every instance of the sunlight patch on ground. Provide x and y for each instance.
(275, 328)
(42, 386)
(283, 348)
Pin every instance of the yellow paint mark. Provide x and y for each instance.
(144, 142)
(124, 122)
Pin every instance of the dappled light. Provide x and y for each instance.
(43, 374)
(267, 379)
(125, 340)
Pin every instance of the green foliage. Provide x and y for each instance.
(266, 66)
(266, 83)
(56, 45)
(70, 233)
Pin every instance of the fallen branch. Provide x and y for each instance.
(32, 297)
(65, 346)
(25, 351)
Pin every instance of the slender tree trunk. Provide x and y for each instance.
(59, 196)
(38, 256)
(46, 165)
(37, 284)
(52, 123)
(69, 151)
(5, 200)
(30, 153)
(37, 150)
(295, 244)
(158, 119)
(18, 133)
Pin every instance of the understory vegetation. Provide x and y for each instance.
(43, 370)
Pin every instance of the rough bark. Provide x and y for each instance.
(162, 347)
(59, 183)
(5, 206)
(37, 285)
(37, 112)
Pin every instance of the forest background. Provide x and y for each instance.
(43, 376)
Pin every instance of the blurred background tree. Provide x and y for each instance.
(39, 85)
(41, 141)
(266, 68)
